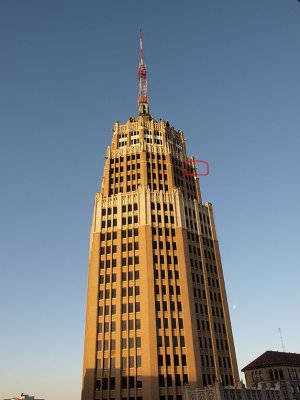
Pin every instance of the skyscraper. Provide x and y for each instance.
(157, 314)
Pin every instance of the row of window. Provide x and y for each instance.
(157, 156)
(129, 158)
(129, 246)
(166, 360)
(206, 343)
(109, 211)
(160, 245)
(105, 383)
(111, 310)
(154, 186)
(108, 249)
(129, 207)
(130, 260)
(168, 380)
(158, 219)
(166, 323)
(108, 278)
(130, 220)
(131, 382)
(108, 263)
(205, 230)
(116, 190)
(202, 310)
(211, 281)
(196, 263)
(160, 166)
(130, 291)
(167, 343)
(128, 178)
(108, 236)
(155, 141)
(127, 381)
(131, 362)
(128, 167)
(162, 289)
(113, 262)
(159, 206)
(159, 231)
(163, 274)
(109, 223)
(160, 176)
(106, 294)
(126, 276)
(165, 306)
(162, 259)
(129, 232)
(106, 345)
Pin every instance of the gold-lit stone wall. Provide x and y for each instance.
(157, 314)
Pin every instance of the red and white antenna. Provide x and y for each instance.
(142, 76)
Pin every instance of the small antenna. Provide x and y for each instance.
(280, 333)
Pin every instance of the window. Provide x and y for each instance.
(159, 341)
(175, 341)
(139, 382)
(161, 381)
(131, 379)
(98, 384)
(112, 382)
(169, 380)
(130, 324)
(168, 360)
(124, 382)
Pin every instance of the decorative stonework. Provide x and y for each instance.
(220, 392)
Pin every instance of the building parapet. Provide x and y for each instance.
(220, 392)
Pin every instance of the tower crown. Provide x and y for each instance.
(142, 77)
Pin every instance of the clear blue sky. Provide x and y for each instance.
(227, 74)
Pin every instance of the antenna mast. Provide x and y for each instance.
(283, 348)
(142, 76)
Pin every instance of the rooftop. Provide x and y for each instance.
(272, 358)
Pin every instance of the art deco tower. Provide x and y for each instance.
(157, 314)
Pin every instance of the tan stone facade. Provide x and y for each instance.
(157, 314)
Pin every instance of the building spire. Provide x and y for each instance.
(143, 90)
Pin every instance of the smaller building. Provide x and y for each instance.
(23, 396)
(272, 367)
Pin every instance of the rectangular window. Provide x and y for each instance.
(139, 382)
(161, 381)
(124, 382)
(131, 379)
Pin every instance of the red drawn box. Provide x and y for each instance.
(190, 162)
